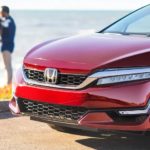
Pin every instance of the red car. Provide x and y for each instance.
(96, 81)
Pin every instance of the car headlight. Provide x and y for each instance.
(113, 76)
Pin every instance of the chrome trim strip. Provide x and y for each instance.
(136, 112)
(82, 85)
(34, 69)
(90, 79)
(119, 72)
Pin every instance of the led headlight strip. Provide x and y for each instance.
(112, 76)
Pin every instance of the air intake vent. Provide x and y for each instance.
(52, 112)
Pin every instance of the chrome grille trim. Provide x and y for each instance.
(94, 77)
(85, 83)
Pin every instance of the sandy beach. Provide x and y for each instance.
(22, 133)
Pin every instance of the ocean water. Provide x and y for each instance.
(34, 27)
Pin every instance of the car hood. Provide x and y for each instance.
(86, 53)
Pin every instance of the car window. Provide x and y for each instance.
(140, 26)
(136, 22)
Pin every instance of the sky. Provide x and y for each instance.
(75, 4)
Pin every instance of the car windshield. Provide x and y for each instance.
(137, 22)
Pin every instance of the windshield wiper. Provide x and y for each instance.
(129, 33)
(121, 33)
(138, 34)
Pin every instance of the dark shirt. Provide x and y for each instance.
(8, 30)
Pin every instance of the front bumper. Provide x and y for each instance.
(80, 117)
(103, 104)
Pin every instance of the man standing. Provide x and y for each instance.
(7, 38)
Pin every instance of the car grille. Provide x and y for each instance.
(63, 79)
(52, 112)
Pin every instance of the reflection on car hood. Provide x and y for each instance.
(84, 53)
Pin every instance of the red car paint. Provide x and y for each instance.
(83, 54)
(86, 54)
